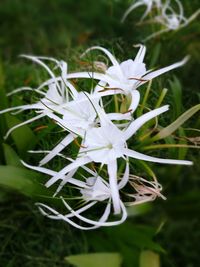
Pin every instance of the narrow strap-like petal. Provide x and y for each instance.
(37, 60)
(60, 175)
(57, 149)
(140, 156)
(22, 124)
(130, 9)
(135, 99)
(109, 55)
(136, 124)
(156, 73)
(125, 177)
(112, 172)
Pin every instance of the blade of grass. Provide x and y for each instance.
(167, 131)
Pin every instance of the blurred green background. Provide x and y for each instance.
(63, 29)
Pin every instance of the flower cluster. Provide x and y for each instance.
(99, 173)
(170, 17)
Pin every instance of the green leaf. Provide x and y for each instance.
(155, 55)
(149, 259)
(23, 137)
(134, 235)
(95, 259)
(11, 157)
(177, 96)
(22, 180)
(167, 131)
(136, 210)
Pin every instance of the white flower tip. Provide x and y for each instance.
(185, 59)
(187, 162)
(138, 45)
(24, 163)
(89, 49)
(23, 55)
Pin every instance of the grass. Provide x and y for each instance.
(64, 29)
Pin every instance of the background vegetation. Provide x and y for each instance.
(63, 29)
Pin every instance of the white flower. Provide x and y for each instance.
(78, 116)
(93, 190)
(51, 101)
(150, 4)
(170, 19)
(125, 77)
(106, 144)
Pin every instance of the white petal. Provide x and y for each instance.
(39, 169)
(135, 99)
(68, 178)
(37, 60)
(22, 124)
(131, 8)
(140, 156)
(57, 149)
(60, 175)
(141, 54)
(125, 177)
(156, 73)
(136, 124)
(110, 56)
(112, 172)
(102, 220)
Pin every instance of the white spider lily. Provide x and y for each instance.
(79, 116)
(106, 144)
(51, 101)
(150, 4)
(94, 190)
(125, 77)
(172, 20)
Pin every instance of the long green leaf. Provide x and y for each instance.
(22, 180)
(95, 260)
(11, 157)
(167, 131)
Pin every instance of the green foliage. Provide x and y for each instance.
(167, 131)
(63, 29)
(22, 180)
(11, 157)
(95, 259)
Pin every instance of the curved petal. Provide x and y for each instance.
(109, 55)
(141, 54)
(77, 163)
(125, 177)
(22, 124)
(140, 156)
(130, 9)
(112, 172)
(156, 73)
(57, 149)
(37, 60)
(135, 99)
(136, 124)
(105, 215)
